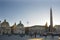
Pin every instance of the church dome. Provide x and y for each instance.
(5, 24)
(14, 26)
(20, 25)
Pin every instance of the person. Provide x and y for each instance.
(35, 34)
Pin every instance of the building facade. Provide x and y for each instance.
(38, 29)
(57, 27)
(18, 29)
(5, 28)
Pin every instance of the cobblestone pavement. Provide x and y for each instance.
(17, 37)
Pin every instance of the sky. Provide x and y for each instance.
(30, 12)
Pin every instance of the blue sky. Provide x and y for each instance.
(36, 12)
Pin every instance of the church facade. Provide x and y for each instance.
(18, 29)
(5, 28)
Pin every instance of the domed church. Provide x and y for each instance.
(18, 29)
(5, 27)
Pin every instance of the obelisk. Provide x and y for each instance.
(51, 21)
